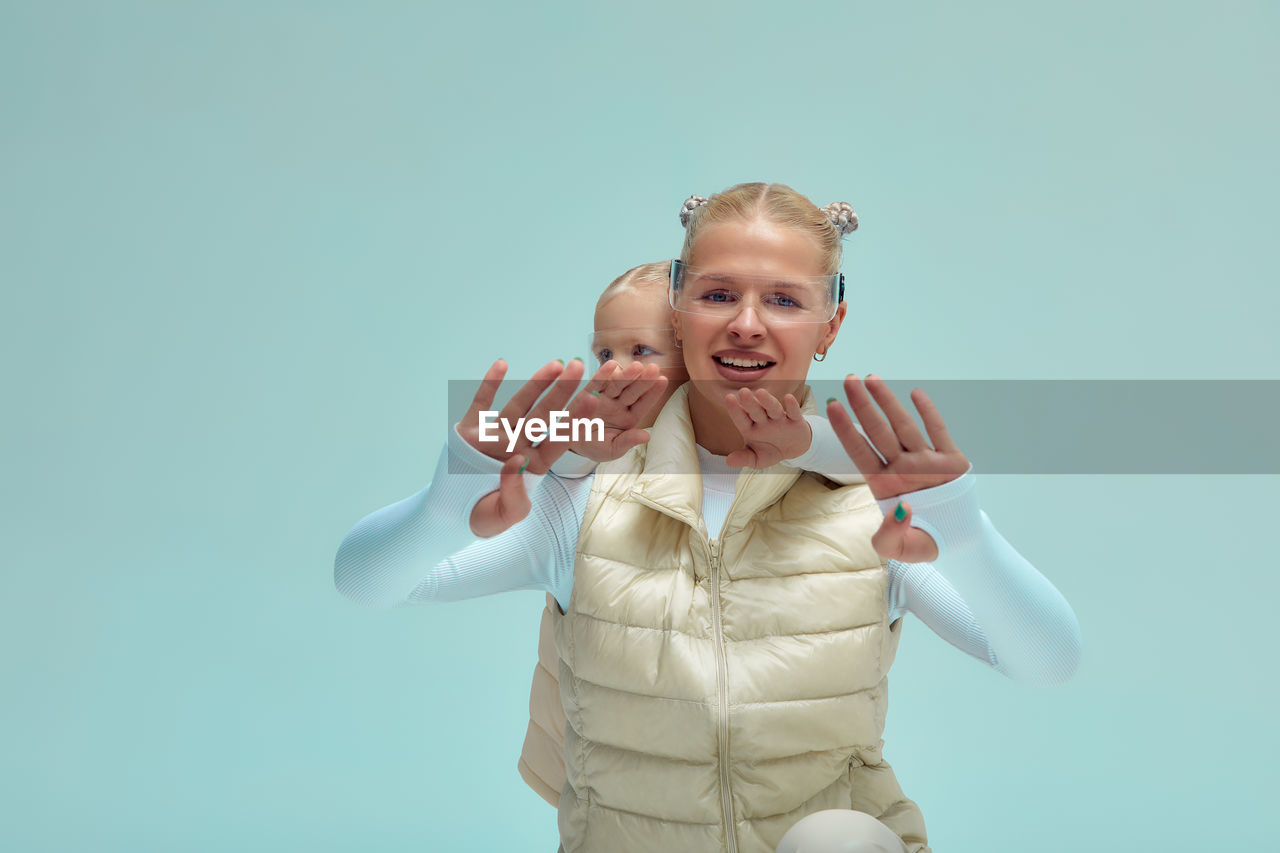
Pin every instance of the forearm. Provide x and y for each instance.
(422, 548)
(1031, 631)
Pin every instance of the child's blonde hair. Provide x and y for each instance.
(776, 203)
(643, 277)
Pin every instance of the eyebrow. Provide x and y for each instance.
(730, 278)
(604, 339)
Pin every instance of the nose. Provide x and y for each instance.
(746, 324)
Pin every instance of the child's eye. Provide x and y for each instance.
(640, 351)
(603, 355)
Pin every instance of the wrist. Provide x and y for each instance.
(948, 512)
(805, 458)
(464, 458)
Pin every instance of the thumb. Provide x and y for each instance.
(891, 539)
(629, 439)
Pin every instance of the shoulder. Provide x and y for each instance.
(825, 496)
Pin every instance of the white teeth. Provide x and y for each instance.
(741, 362)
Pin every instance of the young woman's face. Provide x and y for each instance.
(749, 347)
(636, 326)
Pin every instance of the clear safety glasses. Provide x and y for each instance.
(648, 345)
(787, 299)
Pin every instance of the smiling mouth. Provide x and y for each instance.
(744, 363)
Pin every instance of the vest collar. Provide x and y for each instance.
(671, 481)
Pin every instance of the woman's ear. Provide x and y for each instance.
(675, 322)
(833, 327)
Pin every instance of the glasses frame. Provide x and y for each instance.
(677, 273)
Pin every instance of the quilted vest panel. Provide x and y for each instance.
(715, 692)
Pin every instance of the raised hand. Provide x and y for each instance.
(509, 503)
(773, 430)
(895, 458)
(624, 397)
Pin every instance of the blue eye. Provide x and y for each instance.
(719, 297)
(604, 355)
(640, 351)
(782, 300)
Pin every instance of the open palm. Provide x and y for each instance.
(624, 398)
(509, 503)
(896, 458)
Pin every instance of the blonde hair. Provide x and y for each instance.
(643, 277)
(776, 203)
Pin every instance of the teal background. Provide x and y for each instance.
(244, 246)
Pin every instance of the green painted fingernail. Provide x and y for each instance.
(900, 513)
(561, 360)
(830, 400)
(597, 393)
(526, 465)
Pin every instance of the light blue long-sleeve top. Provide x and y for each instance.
(979, 594)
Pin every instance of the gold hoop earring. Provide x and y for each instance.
(819, 356)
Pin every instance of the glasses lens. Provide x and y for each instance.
(805, 299)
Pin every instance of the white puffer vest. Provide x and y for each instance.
(717, 691)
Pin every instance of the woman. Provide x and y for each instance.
(723, 663)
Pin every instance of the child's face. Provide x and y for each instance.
(636, 326)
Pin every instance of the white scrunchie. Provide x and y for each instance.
(691, 204)
(842, 217)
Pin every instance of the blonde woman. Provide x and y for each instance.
(633, 329)
(722, 662)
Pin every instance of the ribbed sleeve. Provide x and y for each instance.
(1031, 631)
(980, 595)
(421, 549)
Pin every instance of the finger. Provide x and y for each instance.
(933, 422)
(601, 376)
(483, 400)
(529, 392)
(629, 439)
(620, 378)
(874, 426)
(898, 540)
(904, 426)
(513, 498)
(744, 458)
(561, 390)
(583, 405)
(890, 537)
(752, 406)
(545, 452)
(500, 509)
(770, 404)
(636, 388)
(792, 407)
(741, 420)
(649, 399)
(854, 443)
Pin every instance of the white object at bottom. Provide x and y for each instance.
(840, 831)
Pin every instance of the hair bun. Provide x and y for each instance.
(842, 217)
(691, 204)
